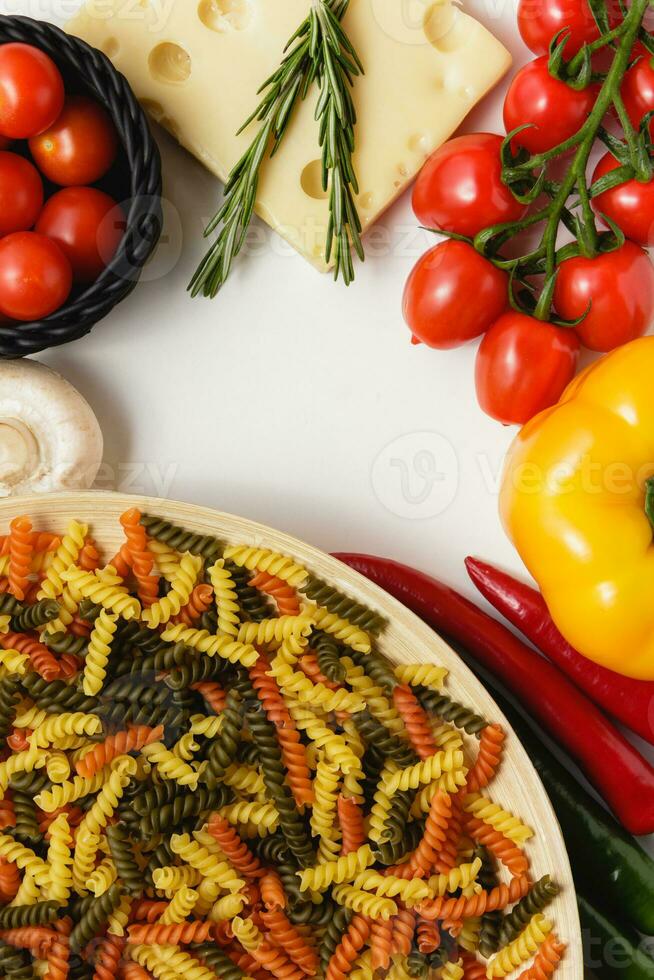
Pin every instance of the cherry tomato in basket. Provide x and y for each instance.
(87, 225)
(452, 295)
(35, 276)
(21, 193)
(523, 366)
(31, 91)
(80, 147)
(637, 90)
(556, 111)
(619, 286)
(629, 205)
(460, 187)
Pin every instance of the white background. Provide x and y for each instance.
(288, 397)
(291, 400)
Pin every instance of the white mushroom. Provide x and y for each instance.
(50, 438)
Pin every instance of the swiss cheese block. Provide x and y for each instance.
(196, 65)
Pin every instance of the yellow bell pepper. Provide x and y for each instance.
(575, 500)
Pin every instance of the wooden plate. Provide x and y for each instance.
(405, 640)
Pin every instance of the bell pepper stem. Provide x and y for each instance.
(649, 500)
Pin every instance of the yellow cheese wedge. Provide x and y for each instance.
(196, 66)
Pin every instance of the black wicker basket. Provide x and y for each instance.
(135, 181)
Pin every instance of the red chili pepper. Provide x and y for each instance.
(617, 770)
(628, 700)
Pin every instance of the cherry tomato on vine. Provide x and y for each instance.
(21, 193)
(523, 366)
(556, 111)
(31, 91)
(629, 205)
(460, 187)
(637, 90)
(619, 286)
(80, 147)
(541, 20)
(87, 225)
(35, 276)
(452, 295)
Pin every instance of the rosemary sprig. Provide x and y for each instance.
(290, 81)
(337, 64)
(318, 50)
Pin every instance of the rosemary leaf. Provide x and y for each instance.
(337, 66)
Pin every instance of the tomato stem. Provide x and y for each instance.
(638, 155)
(601, 42)
(545, 257)
(543, 306)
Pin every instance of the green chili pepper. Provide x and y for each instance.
(611, 951)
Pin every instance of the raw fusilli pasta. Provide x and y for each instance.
(195, 787)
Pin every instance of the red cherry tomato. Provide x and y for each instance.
(21, 193)
(31, 91)
(523, 366)
(556, 111)
(460, 187)
(87, 225)
(620, 288)
(637, 90)
(452, 295)
(541, 20)
(629, 205)
(35, 276)
(80, 147)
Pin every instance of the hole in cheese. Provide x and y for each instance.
(444, 29)
(153, 108)
(223, 15)
(311, 181)
(157, 112)
(420, 143)
(169, 62)
(467, 92)
(110, 46)
(401, 20)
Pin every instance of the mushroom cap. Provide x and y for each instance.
(50, 438)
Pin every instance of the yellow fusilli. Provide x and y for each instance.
(521, 949)
(227, 606)
(97, 657)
